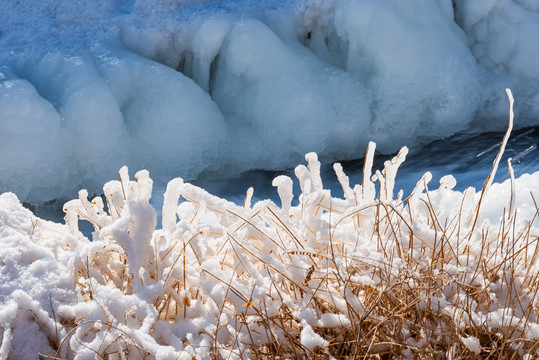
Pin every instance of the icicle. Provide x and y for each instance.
(214, 204)
(86, 207)
(399, 196)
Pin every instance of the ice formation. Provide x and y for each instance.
(218, 279)
(184, 87)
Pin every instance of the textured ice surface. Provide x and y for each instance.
(502, 37)
(186, 87)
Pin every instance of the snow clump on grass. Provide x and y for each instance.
(427, 276)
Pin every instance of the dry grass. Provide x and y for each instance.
(373, 277)
(426, 295)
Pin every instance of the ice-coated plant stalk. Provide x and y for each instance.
(357, 277)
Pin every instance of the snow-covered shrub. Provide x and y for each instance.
(426, 276)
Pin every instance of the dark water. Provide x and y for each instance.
(468, 157)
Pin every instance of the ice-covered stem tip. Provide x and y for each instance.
(284, 186)
(170, 204)
(490, 177)
(368, 191)
(512, 182)
(314, 170)
(344, 180)
(390, 172)
(137, 219)
(248, 197)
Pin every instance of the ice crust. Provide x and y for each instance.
(184, 87)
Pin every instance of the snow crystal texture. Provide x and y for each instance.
(217, 277)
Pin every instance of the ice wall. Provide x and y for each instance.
(186, 87)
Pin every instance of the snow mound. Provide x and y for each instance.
(236, 281)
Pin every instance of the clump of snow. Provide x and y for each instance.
(36, 278)
(310, 339)
(472, 343)
(217, 277)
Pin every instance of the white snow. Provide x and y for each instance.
(184, 87)
(310, 339)
(472, 343)
(203, 279)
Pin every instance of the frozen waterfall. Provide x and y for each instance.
(187, 87)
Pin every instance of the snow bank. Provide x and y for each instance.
(184, 87)
(244, 281)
